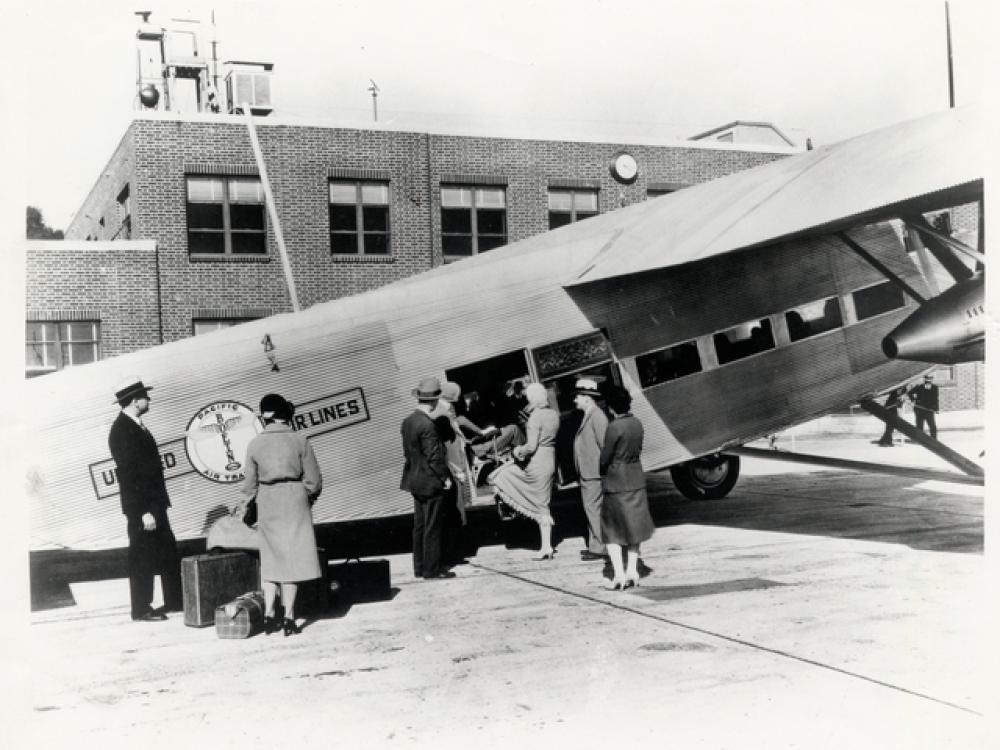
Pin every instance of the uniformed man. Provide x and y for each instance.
(925, 404)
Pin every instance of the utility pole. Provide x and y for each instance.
(951, 72)
(374, 89)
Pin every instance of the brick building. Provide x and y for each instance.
(175, 237)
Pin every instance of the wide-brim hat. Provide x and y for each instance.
(451, 392)
(587, 387)
(429, 389)
(133, 390)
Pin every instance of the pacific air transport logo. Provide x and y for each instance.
(217, 439)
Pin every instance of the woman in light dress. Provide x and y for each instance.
(527, 489)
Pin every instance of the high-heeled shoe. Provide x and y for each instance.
(545, 555)
(290, 627)
(631, 581)
(617, 584)
(271, 624)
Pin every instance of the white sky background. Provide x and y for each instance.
(624, 70)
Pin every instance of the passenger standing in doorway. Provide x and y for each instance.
(925, 404)
(152, 548)
(892, 403)
(587, 447)
(528, 489)
(282, 473)
(426, 477)
(625, 518)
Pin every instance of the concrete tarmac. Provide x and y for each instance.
(809, 609)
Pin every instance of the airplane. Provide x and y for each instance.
(731, 310)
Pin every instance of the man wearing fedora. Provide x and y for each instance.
(925, 404)
(152, 548)
(587, 447)
(426, 477)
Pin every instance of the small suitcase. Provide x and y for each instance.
(242, 617)
(363, 580)
(211, 580)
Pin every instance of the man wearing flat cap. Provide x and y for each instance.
(152, 548)
(426, 477)
(587, 447)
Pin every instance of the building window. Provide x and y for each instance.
(51, 346)
(567, 206)
(743, 340)
(225, 216)
(814, 318)
(875, 300)
(473, 220)
(359, 218)
(207, 325)
(668, 364)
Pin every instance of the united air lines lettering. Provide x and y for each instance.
(330, 413)
(104, 474)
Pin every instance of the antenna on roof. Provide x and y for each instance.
(374, 89)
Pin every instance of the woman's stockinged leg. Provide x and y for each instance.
(288, 592)
(632, 558)
(545, 532)
(615, 553)
(270, 593)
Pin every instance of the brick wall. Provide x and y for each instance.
(114, 283)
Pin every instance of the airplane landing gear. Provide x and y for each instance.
(706, 478)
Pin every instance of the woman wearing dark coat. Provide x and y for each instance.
(282, 473)
(625, 518)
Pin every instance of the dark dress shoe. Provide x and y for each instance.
(442, 574)
(271, 625)
(290, 628)
(588, 556)
(150, 616)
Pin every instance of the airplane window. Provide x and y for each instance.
(814, 318)
(668, 364)
(875, 300)
(744, 340)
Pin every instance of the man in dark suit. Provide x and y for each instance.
(426, 477)
(152, 548)
(925, 404)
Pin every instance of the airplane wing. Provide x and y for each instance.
(933, 162)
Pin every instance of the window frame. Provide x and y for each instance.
(770, 331)
(359, 217)
(227, 232)
(220, 323)
(61, 342)
(887, 284)
(473, 208)
(825, 300)
(573, 212)
(647, 357)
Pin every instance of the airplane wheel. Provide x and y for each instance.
(706, 478)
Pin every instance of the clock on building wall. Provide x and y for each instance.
(624, 168)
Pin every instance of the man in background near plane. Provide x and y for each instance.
(152, 548)
(892, 403)
(925, 404)
(426, 477)
(587, 447)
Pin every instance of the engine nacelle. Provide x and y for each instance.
(947, 329)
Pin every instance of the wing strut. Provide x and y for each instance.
(939, 247)
(880, 267)
(918, 436)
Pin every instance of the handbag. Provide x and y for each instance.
(250, 514)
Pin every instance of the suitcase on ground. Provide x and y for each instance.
(363, 580)
(211, 580)
(242, 617)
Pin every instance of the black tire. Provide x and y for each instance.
(706, 478)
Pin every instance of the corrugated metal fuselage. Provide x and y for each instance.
(350, 366)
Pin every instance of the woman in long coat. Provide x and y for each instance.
(625, 518)
(528, 490)
(282, 473)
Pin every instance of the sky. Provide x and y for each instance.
(619, 70)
